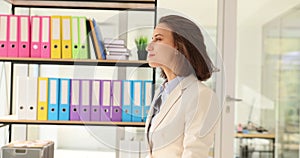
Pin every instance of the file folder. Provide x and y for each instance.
(27, 98)
(24, 41)
(99, 40)
(116, 100)
(13, 36)
(66, 37)
(22, 96)
(105, 100)
(64, 103)
(137, 101)
(35, 49)
(55, 37)
(85, 106)
(95, 103)
(45, 37)
(75, 99)
(32, 92)
(94, 40)
(126, 100)
(83, 38)
(75, 38)
(53, 98)
(42, 111)
(3, 35)
(147, 98)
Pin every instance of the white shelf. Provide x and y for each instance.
(13, 119)
(63, 153)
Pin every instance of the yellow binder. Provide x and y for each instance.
(42, 110)
(66, 41)
(55, 37)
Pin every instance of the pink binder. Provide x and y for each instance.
(35, 49)
(95, 100)
(3, 35)
(13, 36)
(105, 100)
(75, 99)
(116, 100)
(45, 37)
(24, 32)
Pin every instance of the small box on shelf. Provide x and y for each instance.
(32, 149)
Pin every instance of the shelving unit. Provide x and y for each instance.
(136, 5)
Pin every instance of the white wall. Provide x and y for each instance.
(204, 12)
(4, 7)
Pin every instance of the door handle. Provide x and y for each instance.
(231, 99)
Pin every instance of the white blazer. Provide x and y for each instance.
(185, 125)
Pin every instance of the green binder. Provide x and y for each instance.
(83, 38)
(75, 38)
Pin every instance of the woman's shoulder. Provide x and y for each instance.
(199, 86)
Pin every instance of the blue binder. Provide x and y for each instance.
(147, 97)
(137, 103)
(53, 98)
(126, 100)
(64, 99)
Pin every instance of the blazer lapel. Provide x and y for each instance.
(172, 99)
(166, 107)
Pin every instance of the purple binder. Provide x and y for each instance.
(85, 104)
(105, 108)
(116, 100)
(95, 100)
(75, 99)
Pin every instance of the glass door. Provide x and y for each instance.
(282, 63)
(267, 79)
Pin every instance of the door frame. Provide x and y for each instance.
(225, 80)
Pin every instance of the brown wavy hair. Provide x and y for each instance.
(189, 41)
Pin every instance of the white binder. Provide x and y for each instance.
(22, 97)
(27, 98)
(32, 98)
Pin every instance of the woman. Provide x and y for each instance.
(179, 122)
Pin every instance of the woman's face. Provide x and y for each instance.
(163, 53)
(162, 41)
